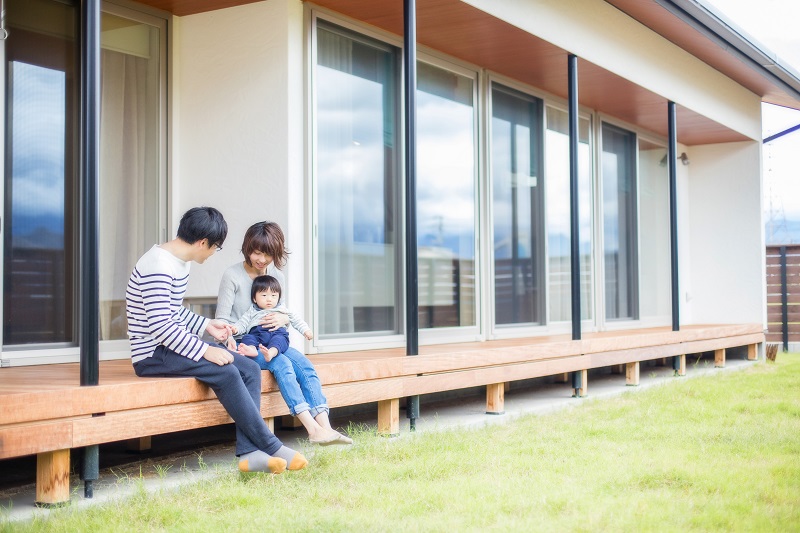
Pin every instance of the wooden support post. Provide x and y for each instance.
(52, 478)
(290, 422)
(389, 417)
(719, 358)
(495, 399)
(752, 352)
(562, 378)
(140, 445)
(617, 369)
(632, 374)
(581, 386)
(270, 421)
(681, 370)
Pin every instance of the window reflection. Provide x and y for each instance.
(41, 177)
(619, 223)
(558, 216)
(356, 181)
(445, 198)
(517, 207)
(39, 238)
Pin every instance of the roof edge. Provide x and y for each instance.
(714, 25)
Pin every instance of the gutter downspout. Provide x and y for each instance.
(672, 160)
(410, 130)
(575, 259)
(89, 329)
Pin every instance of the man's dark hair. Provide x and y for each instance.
(203, 223)
(265, 283)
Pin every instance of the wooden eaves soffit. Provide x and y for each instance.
(463, 31)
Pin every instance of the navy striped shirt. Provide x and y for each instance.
(154, 306)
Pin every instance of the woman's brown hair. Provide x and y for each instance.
(266, 237)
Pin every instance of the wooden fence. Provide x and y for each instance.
(783, 294)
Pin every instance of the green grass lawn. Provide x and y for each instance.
(720, 452)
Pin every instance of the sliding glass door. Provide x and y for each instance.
(39, 226)
(517, 207)
(446, 197)
(356, 181)
(620, 239)
(41, 186)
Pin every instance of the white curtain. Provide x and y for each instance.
(128, 169)
(335, 170)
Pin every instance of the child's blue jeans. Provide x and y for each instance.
(298, 380)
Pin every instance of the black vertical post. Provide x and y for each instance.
(575, 258)
(784, 302)
(672, 161)
(410, 100)
(89, 215)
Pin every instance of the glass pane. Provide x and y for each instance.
(356, 184)
(619, 223)
(445, 198)
(558, 217)
(39, 240)
(130, 140)
(517, 207)
(654, 251)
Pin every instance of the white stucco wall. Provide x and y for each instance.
(600, 33)
(237, 128)
(725, 235)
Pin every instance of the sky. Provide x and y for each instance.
(774, 24)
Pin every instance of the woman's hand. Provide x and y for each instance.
(273, 321)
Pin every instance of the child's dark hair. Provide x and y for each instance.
(266, 237)
(265, 283)
(201, 223)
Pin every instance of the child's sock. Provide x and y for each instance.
(259, 461)
(294, 460)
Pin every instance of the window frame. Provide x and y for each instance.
(53, 353)
(355, 341)
(625, 323)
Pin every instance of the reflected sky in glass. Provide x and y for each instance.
(38, 136)
(445, 167)
(351, 156)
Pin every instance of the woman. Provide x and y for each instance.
(264, 253)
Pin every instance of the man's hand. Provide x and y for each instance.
(246, 349)
(219, 329)
(218, 356)
(273, 321)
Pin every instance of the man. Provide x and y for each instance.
(165, 339)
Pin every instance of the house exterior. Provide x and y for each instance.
(292, 111)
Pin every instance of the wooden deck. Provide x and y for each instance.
(46, 412)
